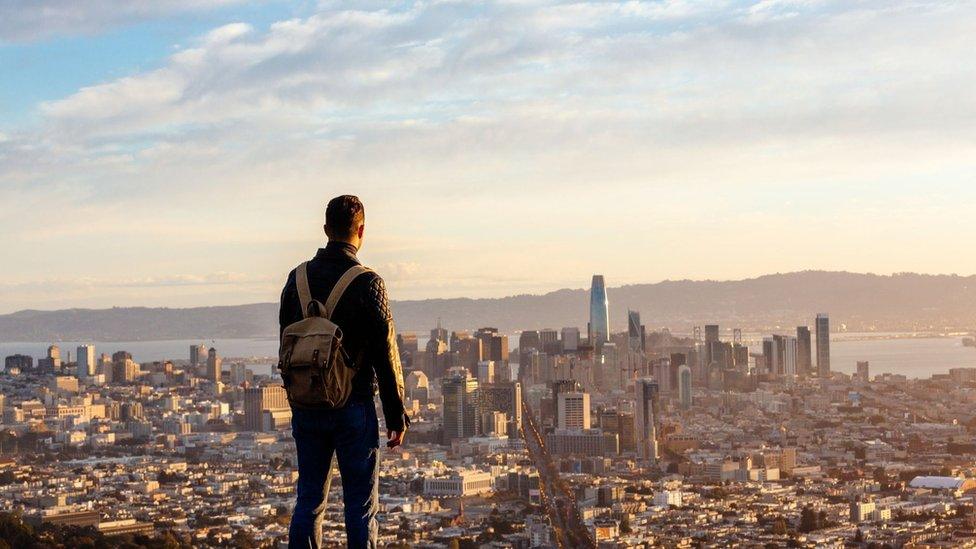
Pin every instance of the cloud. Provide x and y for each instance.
(28, 20)
(516, 132)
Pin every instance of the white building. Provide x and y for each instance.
(459, 483)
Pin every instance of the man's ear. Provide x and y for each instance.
(361, 229)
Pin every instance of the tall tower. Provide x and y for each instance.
(573, 411)
(645, 418)
(86, 361)
(599, 331)
(684, 386)
(213, 366)
(823, 345)
(804, 357)
(460, 392)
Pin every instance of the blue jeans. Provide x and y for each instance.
(352, 434)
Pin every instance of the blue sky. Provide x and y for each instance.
(180, 152)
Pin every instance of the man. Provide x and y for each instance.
(350, 432)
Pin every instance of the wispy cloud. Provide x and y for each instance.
(29, 20)
(513, 131)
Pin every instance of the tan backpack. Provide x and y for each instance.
(315, 370)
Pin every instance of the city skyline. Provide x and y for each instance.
(628, 131)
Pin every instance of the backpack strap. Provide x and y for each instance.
(341, 286)
(301, 282)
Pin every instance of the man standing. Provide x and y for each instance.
(351, 433)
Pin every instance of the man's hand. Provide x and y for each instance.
(395, 438)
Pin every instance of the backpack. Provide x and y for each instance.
(315, 370)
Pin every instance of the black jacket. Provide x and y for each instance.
(363, 314)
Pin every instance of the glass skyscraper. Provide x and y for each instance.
(823, 345)
(599, 332)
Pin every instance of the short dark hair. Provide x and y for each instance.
(343, 216)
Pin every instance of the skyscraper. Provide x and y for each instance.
(213, 365)
(197, 354)
(571, 338)
(460, 392)
(573, 410)
(823, 345)
(635, 332)
(786, 350)
(684, 386)
(503, 397)
(86, 361)
(645, 417)
(258, 400)
(804, 356)
(599, 328)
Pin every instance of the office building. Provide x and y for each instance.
(549, 341)
(197, 356)
(85, 361)
(573, 410)
(460, 392)
(505, 397)
(804, 352)
(599, 326)
(636, 338)
(823, 345)
(864, 370)
(416, 386)
(213, 366)
(645, 418)
(261, 401)
(486, 371)
(684, 386)
(570, 339)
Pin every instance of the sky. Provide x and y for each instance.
(181, 152)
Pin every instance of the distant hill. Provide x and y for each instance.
(905, 301)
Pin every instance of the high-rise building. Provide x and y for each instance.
(214, 363)
(823, 345)
(684, 386)
(416, 386)
(786, 351)
(804, 356)
(645, 418)
(18, 361)
(197, 354)
(549, 340)
(438, 333)
(460, 392)
(635, 332)
(469, 353)
(570, 338)
(711, 333)
(529, 339)
(573, 410)
(770, 356)
(86, 361)
(486, 371)
(258, 400)
(123, 368)
(599, 327)
(503, 397)
(863, 370)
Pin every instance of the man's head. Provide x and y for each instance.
(345, 220)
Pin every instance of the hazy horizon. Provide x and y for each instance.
(542, 292)
(181, 154)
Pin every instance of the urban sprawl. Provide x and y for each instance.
(569, 438)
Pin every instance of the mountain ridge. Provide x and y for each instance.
(861, 301)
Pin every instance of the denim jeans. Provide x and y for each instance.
(352, 435)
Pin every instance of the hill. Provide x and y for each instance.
(904, 301)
